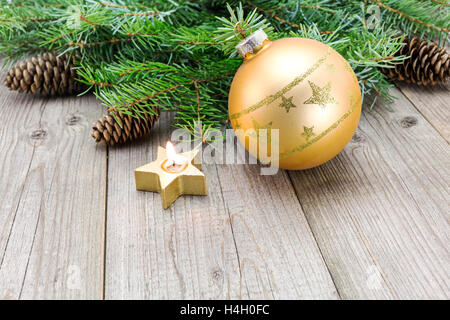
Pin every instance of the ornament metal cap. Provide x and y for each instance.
(249, 44)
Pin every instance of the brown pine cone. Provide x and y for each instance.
(47, 74)
(108, 132)
(428, 64)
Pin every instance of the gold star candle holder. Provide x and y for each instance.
(172, 175)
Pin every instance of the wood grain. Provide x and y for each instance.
(52, 199)
(279, 257)
(182, 252)
(371, 223)
(433, 102)
(192, 251)
(379, 210)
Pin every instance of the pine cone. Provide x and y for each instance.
(108, 132)
(428, 64)
(47, 74)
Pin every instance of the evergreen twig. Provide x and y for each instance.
(178, 55)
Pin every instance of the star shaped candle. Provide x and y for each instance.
(172, 175)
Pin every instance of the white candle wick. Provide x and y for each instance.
(173, 159)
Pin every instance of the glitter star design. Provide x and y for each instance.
(258, 127)
(308, 132)
(321, 96)
(287, 103)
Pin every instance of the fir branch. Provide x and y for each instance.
(102, 84)
(238, 27)
(129, 37)
(141, 14)
(123, 6)
(27, 19)
(298, 6)
(413, 19)
(175, 54)
(186, 90)
(296, 25)
(441, 2)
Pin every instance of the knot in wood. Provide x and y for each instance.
(358, 137)
(408, 122)
(38, 134)
(217, 274)
(72, 120)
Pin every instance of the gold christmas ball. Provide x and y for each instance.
(301, 87)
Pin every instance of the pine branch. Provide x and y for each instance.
(444, 3)
(238, 27)
(175, 54)
(134, 88)
(290, 23)
(415, 20)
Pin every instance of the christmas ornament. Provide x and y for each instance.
(301, 87)
(47, 74)
(172, 175)
(117, 128)
(427, 63)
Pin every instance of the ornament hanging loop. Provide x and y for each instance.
(251, 45)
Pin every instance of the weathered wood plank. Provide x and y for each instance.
(192, 251)
(184, 252)
(379, 210)
(279, 257)
(52, 199)
(433, 103)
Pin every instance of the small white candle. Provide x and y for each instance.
(174, 162)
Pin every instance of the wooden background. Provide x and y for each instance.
(373, 223)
